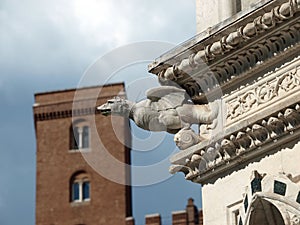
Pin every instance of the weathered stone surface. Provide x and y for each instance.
(210, 13)
(228, 195)
(240, 47)
(254, 63)
(166, 108)
(253, 60)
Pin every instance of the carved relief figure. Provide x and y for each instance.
(166, 108)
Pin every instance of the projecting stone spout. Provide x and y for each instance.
(166, 108)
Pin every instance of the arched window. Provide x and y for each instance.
(80, 187)
(79, 135)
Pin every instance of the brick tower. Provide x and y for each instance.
(75, 146)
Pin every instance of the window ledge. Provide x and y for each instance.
(80, 150)
(80, 203)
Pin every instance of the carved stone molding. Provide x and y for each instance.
(253, 43)
(208, 156)
(229, 69)
(262, 112)
(265, 92)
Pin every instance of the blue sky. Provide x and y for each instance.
(49, 45)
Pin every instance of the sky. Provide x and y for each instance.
(52, 45)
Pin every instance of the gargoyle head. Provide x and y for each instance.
(115, 106)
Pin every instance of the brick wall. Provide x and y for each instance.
(129, 221)
(179, 218)
(154, 219)
(110, 202)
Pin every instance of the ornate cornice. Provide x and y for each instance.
(209, 158)
(259, 114)
(254, 63)
(274, 31)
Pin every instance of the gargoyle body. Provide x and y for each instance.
(166, 108)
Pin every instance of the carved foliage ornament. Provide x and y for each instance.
(263, 94)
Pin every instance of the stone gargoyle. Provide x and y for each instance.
(166, 108)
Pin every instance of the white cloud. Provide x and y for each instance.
(93, 14)
(48, 36)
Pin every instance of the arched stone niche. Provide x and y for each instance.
(271, 199)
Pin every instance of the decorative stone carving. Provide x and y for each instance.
(292, 118)
(243, 141)
(186, 138)
(166, 108)
(258, 134)
(261, 50)
(275, 126)
(295, 220)
(228, 148)
(236, 145)
(189, 173)
(263, 94)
